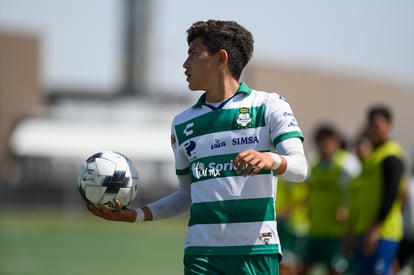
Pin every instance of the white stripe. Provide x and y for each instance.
(230, 188)
(227, 137)
(233, 234)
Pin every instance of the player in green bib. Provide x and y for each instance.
(376, 213)
(329, 188)
(230, 147)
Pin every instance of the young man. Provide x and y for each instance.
(228, 148)
(377, 221)
(329, 188)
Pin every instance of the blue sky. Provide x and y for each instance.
(82, 43)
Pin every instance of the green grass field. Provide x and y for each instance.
(49, 243)
(41, 242)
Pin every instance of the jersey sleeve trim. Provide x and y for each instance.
(180, 172)
(285, 136)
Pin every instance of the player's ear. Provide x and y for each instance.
(222, 57)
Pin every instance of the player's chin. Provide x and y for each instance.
(190, 87)
(193, 87)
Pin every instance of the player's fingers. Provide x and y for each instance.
(248, 170)
(117, 205)
(243, 159)
(94, 210)
(254, 167)
(240, 157)
(257, 169)
(105, 212)
(238, 163)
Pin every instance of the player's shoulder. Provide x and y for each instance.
(188, 114)
(267, 96)
(182, 115)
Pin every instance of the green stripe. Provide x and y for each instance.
(216, 167)
(180, 172)
(232, 211)
(233, 250)
(222, 120)
(285, 136)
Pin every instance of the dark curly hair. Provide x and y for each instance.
(381, 110)
(227, 35)
(323, 132)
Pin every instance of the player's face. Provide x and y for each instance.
(328, 146)
(200, 66)
(379, 129)
(363, 148)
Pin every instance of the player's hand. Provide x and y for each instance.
(252, 162)
(370, 241)
(118, 214)
(342, 214)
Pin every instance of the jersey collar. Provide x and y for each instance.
(243, 88)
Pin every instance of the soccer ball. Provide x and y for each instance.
(108, 176)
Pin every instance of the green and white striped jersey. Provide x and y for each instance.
(231, 214)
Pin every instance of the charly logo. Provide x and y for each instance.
(244, 118)
(188, 131)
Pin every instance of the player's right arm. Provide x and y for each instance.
(171, 205)
(119, 214)
(175, 203)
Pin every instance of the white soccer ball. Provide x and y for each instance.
(108, 176)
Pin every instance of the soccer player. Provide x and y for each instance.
(377, 223)
(329, 188)
(229, 149)
(293, 224)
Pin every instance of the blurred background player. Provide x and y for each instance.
(329, 188)
(377, 221)
(292, 214)
(363, 148)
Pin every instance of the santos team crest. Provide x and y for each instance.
(244, 118)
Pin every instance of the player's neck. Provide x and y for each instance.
(222, 90)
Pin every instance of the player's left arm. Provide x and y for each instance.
(171, 205)
(296, 164)
(393, 170)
